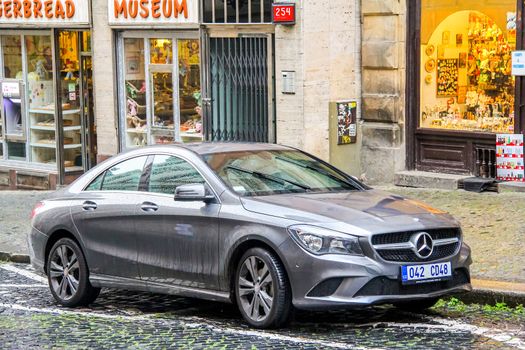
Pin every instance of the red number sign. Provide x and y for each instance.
(284, 13)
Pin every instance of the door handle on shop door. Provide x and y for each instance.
(148, 206)
(89, 205)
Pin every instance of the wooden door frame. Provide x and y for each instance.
(413, 93)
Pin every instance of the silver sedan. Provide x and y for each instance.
(264, 226)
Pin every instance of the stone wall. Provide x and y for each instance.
(104, 81)
(383, 89)
(323, 48)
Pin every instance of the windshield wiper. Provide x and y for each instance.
(275, 179)
(321, 171)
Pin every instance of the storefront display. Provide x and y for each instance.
(153, 111)
(466, 81)
(37, 131)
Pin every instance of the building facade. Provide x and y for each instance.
(375, 87)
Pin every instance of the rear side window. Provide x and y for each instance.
(124, 176)
(168, 172)
(96, 184)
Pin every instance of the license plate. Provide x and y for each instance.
(411, 274)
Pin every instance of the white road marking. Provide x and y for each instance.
(23, 286)
(191, 324)
(498, 335)
(24, 273)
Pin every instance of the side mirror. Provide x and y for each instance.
(194, 193)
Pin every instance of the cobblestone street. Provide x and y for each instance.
(29, 318)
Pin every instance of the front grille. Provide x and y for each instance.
(408, 255)
(386, 286)
(399, 237)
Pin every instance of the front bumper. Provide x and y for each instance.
(340, 281)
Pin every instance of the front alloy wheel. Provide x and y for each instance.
(68, 274)
(262, 290)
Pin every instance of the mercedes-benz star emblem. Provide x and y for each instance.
(423, 245)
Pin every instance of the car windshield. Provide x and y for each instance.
(260, 173)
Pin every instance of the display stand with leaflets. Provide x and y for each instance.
(509, 157)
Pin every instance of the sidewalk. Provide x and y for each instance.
(15, 209)
(493, 225)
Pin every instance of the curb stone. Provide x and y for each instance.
(476, 296)
(16, 258)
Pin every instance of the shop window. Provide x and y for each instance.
(40, 98)
(168, 172)
(124, 176)
(69, 94)
(466, 81)
(190, 90)
(162, 91)
(135, 89)
(12, 50)
(237, 11)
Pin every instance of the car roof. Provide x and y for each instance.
(202, 148)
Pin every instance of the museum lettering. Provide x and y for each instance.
(150, 8)
(31, 9)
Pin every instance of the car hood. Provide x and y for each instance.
(371, 211)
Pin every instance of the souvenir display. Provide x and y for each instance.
(430, 50)
(430, 65)
(479, 79)
(447, 77)
(509, 157)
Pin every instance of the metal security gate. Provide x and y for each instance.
(236, 98)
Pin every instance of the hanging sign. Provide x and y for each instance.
(509, 157)
(153, 12)
(44, 12)
(283, 13)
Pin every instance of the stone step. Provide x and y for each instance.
(425, 179)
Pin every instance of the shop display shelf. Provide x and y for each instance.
(52, 128)
(191, 135)
(137, 131)
(53, 145)
(52, 111)
(74, 168)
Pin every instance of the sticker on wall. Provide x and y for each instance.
(346, 122)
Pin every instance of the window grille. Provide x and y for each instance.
(237, 11)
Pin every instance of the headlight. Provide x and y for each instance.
(318, 240)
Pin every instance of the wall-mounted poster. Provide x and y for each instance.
(346, 122)
(447, 77)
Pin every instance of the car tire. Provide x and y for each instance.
(417, 305)
(262, 291)
(68, 275)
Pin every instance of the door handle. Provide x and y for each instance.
(148, 206)
(89, 205)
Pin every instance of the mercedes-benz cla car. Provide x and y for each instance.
(263, 226)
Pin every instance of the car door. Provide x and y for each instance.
(178, 241)
(103, 215)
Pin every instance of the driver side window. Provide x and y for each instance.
(168, 172)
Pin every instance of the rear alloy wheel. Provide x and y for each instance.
(68, 274)
(261, 290)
